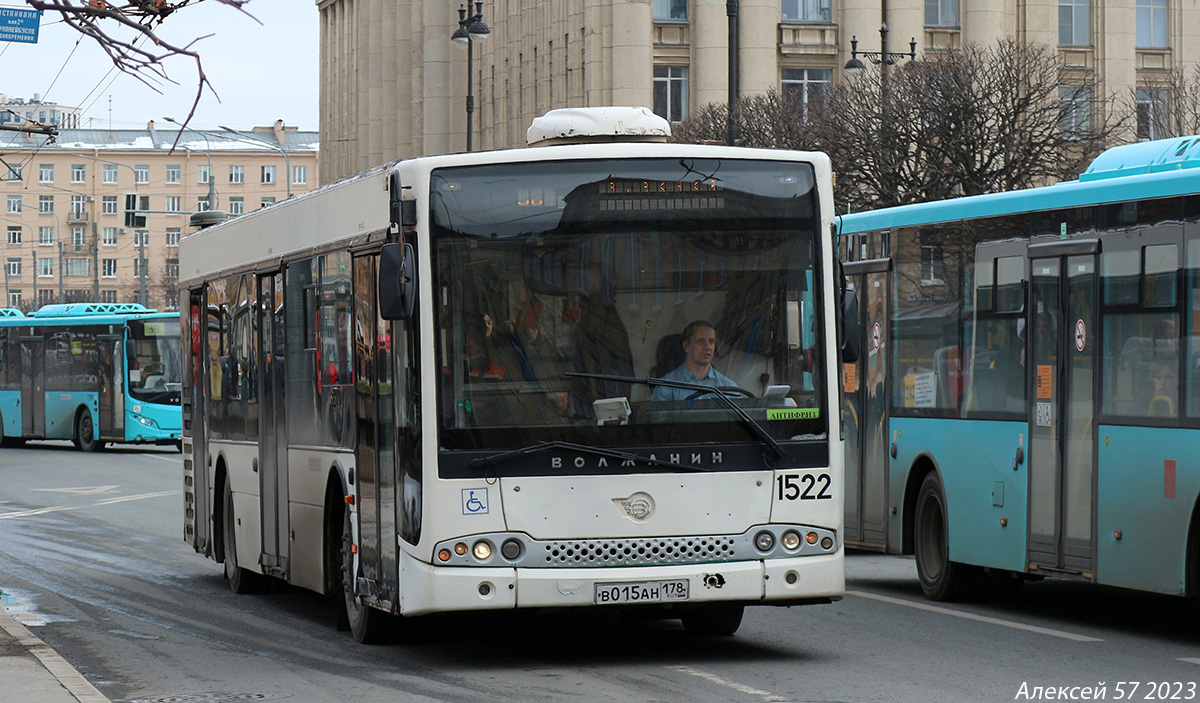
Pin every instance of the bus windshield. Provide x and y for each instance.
(155, 373)
(557, 284)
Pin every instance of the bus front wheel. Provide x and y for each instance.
(85, 433)
(941, 579)
(240, 580)
(366, 623)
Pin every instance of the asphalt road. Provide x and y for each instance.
(93, 561)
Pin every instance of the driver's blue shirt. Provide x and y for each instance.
(713, 378)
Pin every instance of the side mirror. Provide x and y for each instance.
(397, 284)
(852, 329)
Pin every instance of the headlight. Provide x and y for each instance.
(482, 551)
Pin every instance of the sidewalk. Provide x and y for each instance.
(34, 673)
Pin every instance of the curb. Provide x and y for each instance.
(66, 675)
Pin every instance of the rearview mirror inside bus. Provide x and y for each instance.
(397, 281)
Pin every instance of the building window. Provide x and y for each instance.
(78, 206)
(203, 174)
(14, 203)
(299, 175)
(138, 266)
(806, 84)
(108, 205)
(173, 236)
(237, 174)
(45, 267)
(237, 206)
(174, 173)
(1074, 23)
(14, 267)
(78, 238)
(108, 236)
(202, 204)
(266, 201)
(671, 92)
(46, 204)
(14, 172)
(108, 268)
(941, 13)
(141, 238)
(14, 299)
(46, 236)
(670, 10)
(79, 267)
(141, 174)
(108, 173)
(45, 296)
(174, 203)
(1074, 111)
(14, 235)
(268, 175)
(108, 296)
(806, 11)
(1152, 23)
(78, 173)
(1151, 114)
(46, 173)
(172, 270)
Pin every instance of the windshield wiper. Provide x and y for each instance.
(749, 422)
(610, 453)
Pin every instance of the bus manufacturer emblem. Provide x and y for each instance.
(638, 507)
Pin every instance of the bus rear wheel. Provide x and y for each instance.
(941, 579)
(240, 580)
(367, 624)
(85, 433)
(714, 620)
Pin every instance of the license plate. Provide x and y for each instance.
(642, 592)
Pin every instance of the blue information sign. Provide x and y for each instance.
(19, 24)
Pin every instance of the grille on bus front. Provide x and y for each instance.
(627, 552)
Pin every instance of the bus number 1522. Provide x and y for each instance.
(803, 487)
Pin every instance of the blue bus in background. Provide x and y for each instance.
(1028, 399)
(92, 373)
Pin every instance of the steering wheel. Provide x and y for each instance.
(722, 389)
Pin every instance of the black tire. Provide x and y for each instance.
(941, 579)
(368, 625)
(240, 580)
(713, 620)
(84, 437)
(9, 442)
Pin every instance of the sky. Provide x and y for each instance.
(261, 73)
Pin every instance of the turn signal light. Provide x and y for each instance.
(460, 549)
(444, 555)
(812, 537)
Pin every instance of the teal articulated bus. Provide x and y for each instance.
(92, 373)
(1029, 401)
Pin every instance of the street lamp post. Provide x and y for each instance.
(470, 30)
(287, 163)
(95, 226)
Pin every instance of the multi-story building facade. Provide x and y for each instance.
(36, 111)
(393, 85)
(98, 214)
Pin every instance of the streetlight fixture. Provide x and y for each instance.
(882, 57)
(212, 197)
(287, 163)
(470, 30)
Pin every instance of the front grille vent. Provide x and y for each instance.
(629, 552)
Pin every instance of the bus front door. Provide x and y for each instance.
(272, 446)
(33, 387)
(112, 388)
(1061, 343)
(865, 384)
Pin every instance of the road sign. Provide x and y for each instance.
(19, 24)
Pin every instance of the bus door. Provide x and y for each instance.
(866, 387)
(197, 526)
(375, 442)
(112, 387)
(1060, 342)
(33, 387)
(272, 445)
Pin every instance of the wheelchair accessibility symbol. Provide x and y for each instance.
(474, 501)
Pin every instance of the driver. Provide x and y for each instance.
(699, 346)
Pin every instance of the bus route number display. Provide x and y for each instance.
(155, 329)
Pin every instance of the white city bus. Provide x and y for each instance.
(437, 385)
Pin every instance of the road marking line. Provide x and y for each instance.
(36, 511)
(740, 688)
(977, 618)
(124, 499)
(174, 460)
(81, 490)
(1189, 660)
